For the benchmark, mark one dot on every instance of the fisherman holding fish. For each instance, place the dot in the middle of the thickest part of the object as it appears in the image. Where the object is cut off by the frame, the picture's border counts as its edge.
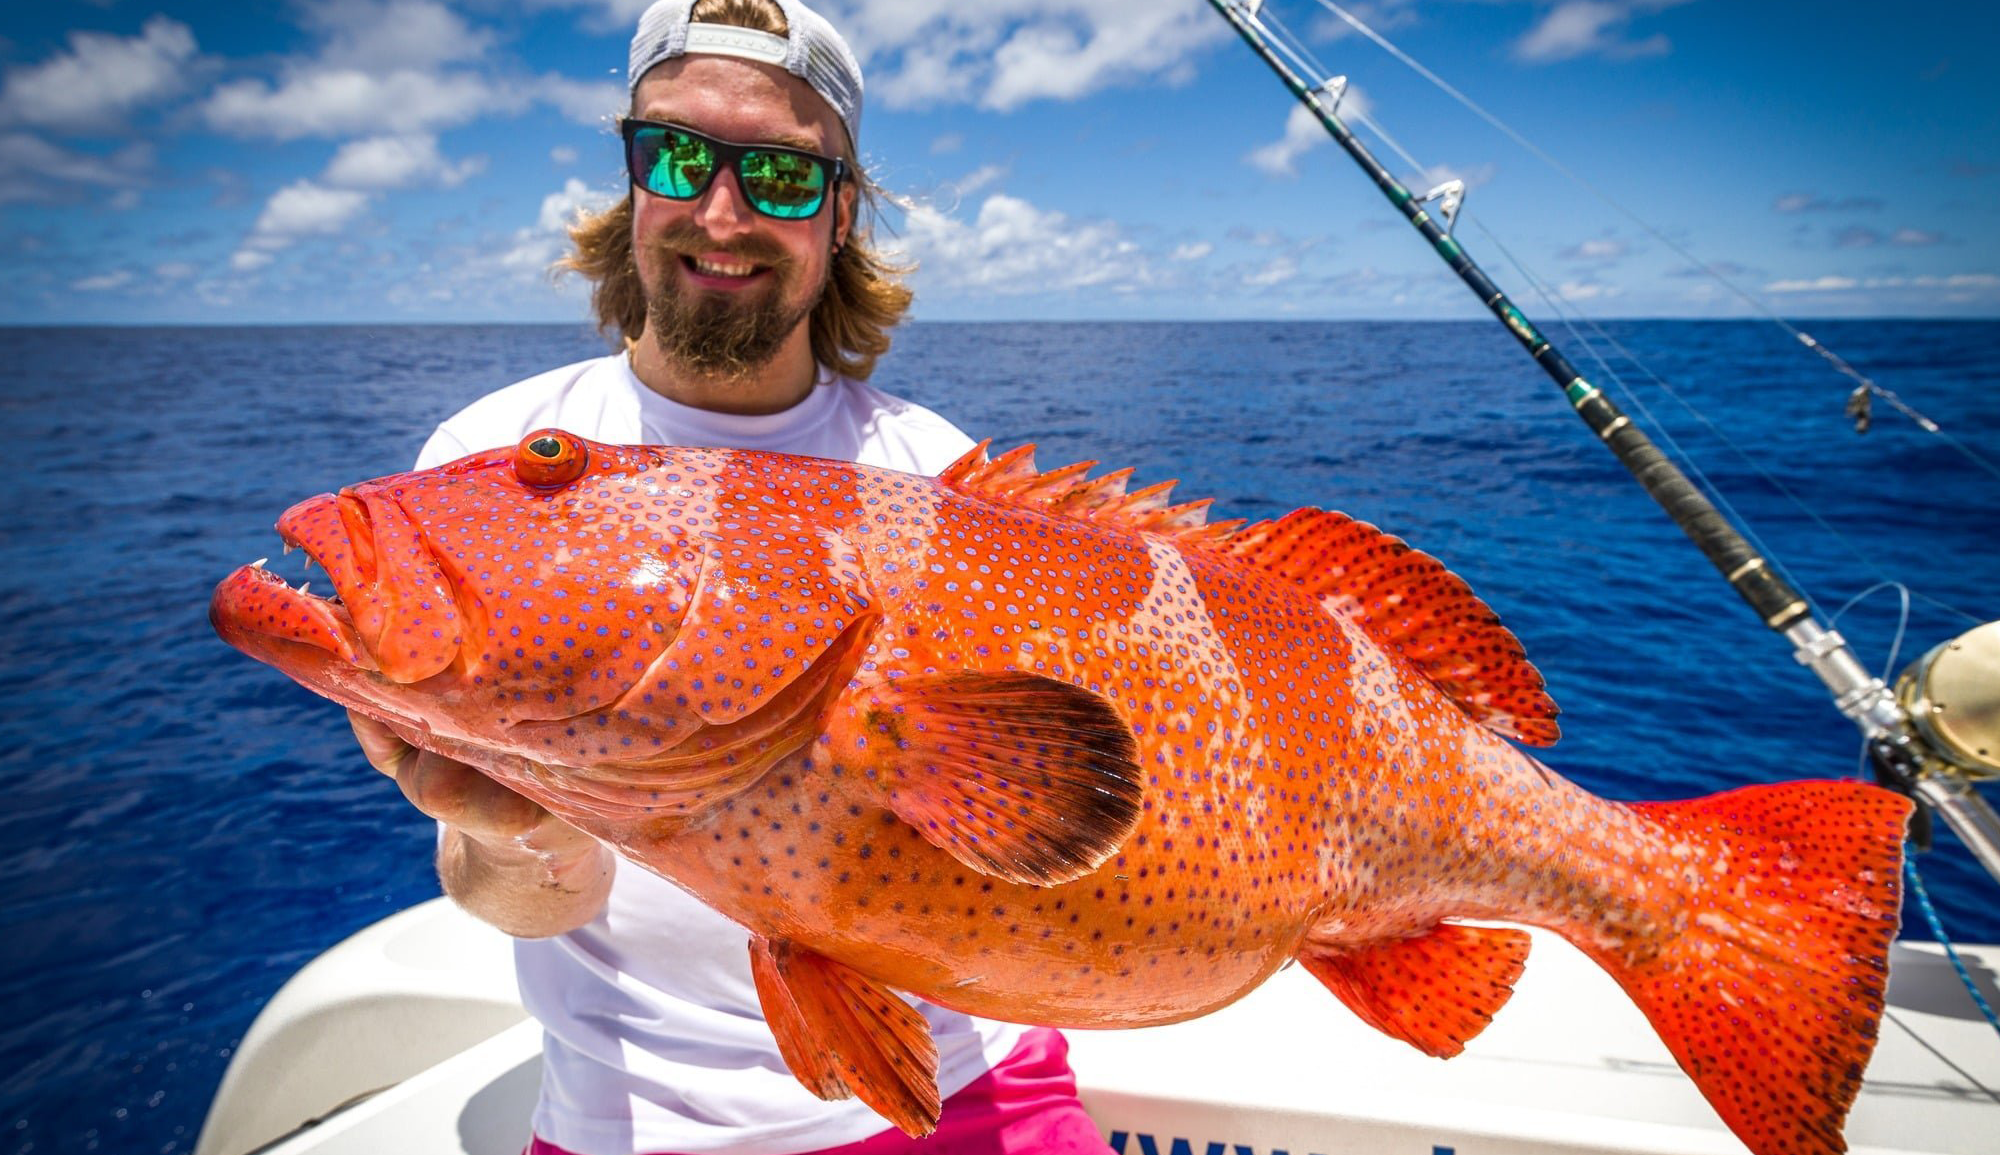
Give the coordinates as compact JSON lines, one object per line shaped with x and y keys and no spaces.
{"x":1018,"y":742}
{"x":742,"y":276}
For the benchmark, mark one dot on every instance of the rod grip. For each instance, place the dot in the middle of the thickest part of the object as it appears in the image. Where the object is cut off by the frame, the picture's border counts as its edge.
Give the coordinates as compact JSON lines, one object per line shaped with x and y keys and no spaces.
{"x":1757,"y":582}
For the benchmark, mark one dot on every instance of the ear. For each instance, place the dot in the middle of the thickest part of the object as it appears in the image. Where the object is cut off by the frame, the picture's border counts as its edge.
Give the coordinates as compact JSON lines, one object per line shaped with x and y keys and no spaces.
{"x":843,"y":213}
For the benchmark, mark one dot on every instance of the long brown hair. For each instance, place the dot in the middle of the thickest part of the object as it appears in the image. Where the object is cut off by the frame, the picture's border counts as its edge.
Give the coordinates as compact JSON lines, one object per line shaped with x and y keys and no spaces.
{"x":865,"y":296}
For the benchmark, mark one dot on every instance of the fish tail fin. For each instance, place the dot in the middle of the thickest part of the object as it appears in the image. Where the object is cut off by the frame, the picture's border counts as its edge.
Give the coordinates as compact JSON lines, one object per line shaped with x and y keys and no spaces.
{"x":1771,"y":993}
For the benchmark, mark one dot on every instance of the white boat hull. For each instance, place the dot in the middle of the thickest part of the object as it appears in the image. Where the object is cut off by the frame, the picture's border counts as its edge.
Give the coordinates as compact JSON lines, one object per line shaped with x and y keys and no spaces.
{"x":408,"y":1038}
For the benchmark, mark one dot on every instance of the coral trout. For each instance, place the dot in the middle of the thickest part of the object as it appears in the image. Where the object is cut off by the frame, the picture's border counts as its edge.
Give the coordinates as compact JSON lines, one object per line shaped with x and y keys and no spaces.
{"x":1033,"y":747}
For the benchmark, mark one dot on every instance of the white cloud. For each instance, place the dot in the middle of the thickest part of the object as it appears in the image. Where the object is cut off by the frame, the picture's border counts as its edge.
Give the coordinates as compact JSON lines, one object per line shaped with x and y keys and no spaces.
{"x":1909,"y":236}
{"x":1276,"y":271}
{"x":103,"y":282}
{"x":299,"y":210}
{"x":1192,"y":252}
{"x":1012,"y":247}
{"x":175,"y":271}
{"x":32,"y":169}
{"x":1004,"y":53}
{"x":1576,"y":28}
{"x":979,"y":178}
{"x":1303,"y":133}
{"x":1957,"y":282}
{"x":533,"y":248}
{"x":1602,"y":249}
{"x":1825,"y":284}
{"x":389,"y":162}
{"x":591,"y":102}
{"x":101,"y":79}
{"x":1587,"y":291}
{"x":949,"y":142}
{"x":1805,"y":202}
{"x":336,"y":102}
{"x":385,"y":35}
{"x":303,"y":208}
{"x":562,"y":154}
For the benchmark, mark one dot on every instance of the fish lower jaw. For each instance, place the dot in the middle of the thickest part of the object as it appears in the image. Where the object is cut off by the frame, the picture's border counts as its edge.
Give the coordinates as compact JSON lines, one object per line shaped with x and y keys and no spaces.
{"x":260,"y":613}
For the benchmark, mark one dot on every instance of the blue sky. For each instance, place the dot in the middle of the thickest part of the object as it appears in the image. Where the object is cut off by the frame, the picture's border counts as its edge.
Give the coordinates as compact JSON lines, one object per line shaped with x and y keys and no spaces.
{"x":366,"y":160}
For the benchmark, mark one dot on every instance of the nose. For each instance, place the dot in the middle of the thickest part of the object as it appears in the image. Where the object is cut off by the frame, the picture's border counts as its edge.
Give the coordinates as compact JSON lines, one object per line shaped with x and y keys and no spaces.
{"x":722,"y":209}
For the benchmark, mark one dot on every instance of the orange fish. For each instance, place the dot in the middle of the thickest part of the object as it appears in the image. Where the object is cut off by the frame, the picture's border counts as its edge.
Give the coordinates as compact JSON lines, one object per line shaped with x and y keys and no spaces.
{"x":1026,"y":745}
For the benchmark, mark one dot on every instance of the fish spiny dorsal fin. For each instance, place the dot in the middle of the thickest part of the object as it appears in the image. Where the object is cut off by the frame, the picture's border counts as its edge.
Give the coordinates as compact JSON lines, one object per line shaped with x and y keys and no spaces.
{"x":1410,"y":603}
{"x":1012,"y":479}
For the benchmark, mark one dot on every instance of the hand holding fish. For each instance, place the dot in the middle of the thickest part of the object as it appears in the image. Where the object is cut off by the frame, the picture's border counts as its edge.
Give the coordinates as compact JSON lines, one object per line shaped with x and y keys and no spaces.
{"x":502,"y":857}
{"x":1032,"y":747}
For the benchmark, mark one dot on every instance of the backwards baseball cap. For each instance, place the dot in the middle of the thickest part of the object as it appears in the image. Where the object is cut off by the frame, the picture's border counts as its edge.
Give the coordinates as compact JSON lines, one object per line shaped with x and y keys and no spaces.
{"x":811,"y":51}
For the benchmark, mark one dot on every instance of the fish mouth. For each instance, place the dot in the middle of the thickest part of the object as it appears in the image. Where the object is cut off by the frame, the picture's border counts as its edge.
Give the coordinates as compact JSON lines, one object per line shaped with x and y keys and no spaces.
{"x":392,"y":612}
{"x":254,"y":607}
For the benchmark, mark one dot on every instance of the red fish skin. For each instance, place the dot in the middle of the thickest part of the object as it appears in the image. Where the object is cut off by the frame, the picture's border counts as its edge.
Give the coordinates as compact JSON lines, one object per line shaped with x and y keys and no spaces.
{"x":697,"y":656}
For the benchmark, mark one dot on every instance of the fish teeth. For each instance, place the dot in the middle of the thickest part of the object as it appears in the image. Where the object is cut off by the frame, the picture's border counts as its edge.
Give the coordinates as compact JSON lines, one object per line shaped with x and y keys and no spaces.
{"x":259,"y":563}
{"x":305,"y":587}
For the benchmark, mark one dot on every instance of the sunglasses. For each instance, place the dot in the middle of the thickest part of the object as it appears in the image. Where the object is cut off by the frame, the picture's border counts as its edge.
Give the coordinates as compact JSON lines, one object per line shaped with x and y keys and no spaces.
{"x":679,"y":163}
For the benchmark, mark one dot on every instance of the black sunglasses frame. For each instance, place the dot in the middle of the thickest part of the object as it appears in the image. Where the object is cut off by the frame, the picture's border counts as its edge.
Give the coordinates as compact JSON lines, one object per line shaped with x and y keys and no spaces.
{"x":729,"y":154}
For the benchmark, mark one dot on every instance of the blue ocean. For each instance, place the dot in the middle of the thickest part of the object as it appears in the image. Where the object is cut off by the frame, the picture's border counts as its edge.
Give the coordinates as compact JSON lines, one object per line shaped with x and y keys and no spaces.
{"x":183,"y":828}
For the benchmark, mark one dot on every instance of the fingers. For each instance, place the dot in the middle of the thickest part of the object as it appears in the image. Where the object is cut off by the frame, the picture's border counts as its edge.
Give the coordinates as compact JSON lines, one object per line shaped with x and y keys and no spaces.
{"x":380,"y":745}
{"x":457,"y":795}
{"x":460,"y":796}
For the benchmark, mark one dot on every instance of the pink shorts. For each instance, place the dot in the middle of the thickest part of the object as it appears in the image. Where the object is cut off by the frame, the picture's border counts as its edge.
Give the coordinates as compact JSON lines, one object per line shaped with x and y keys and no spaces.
{"x":1026,"y":1103}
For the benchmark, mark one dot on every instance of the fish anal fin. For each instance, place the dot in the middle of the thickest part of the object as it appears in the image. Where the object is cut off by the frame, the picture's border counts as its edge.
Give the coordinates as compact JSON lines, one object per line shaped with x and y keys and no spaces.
{"x":1772,"y":995}
{"x":845,"y":1035}
{"x":1435,"y":991}
{"x":1407,"y":602}
{"x":1018,"y":776}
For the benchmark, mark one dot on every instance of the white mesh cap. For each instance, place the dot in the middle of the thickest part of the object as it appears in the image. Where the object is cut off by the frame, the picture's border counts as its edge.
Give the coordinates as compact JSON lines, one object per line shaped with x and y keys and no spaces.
{"x":813,"y":51}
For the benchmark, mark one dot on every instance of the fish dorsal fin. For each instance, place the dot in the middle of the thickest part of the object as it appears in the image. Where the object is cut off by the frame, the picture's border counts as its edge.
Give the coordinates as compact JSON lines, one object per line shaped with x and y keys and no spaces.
{"x":1409,"y":602}
{"x":1012,"y":479}
{"x":1405,"y":600}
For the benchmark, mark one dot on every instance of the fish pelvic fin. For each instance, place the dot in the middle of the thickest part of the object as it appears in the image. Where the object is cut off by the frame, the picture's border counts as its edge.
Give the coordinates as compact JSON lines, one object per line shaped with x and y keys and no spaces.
{"x":1771,"y":994}
{"x":845,"y":1035}
{"x":1435,"y":991}
{"x":1017,"y":776}
{"x":1410,"y":604}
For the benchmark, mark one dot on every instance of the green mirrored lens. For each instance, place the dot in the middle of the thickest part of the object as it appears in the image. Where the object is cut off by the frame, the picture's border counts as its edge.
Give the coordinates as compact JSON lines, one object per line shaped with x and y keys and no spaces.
{"x":682,"y":167}
{"x":783,"y":184}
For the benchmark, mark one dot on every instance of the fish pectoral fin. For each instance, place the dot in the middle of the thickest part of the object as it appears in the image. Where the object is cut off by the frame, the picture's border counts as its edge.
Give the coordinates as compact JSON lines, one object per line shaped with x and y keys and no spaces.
{"x":1016,"y":775}
{"x":844,"y":1034}
{"x":1434,"y":992}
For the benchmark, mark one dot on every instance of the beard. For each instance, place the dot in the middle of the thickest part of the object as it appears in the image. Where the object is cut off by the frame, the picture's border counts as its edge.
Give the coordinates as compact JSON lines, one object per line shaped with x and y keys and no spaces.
{"x":725,"y":336}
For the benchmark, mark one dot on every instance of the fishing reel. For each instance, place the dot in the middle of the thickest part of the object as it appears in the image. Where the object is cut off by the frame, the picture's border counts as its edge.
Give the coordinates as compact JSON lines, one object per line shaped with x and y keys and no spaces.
{"x":1950,"y":701}
{"x":1952,"y":698}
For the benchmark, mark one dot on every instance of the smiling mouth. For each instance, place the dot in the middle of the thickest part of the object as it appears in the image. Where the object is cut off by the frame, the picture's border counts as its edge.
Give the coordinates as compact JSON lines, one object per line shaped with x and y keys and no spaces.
{"x":725,"y":269}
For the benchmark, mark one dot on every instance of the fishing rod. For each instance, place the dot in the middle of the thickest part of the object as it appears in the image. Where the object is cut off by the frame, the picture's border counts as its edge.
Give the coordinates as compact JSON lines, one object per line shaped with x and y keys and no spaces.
{"x":1932,"y":735}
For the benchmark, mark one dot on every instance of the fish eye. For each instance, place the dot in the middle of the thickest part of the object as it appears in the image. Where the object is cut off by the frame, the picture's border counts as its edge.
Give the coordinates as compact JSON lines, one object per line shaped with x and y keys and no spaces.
{"x":547,"y":458}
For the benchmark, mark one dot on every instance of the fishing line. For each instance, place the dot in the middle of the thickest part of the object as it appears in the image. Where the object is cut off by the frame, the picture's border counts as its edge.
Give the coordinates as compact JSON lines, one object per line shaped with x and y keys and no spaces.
{"x":1303,"y":59}
{"x":1839,"y":364}
{"x":1687,"y":459}
{"x":1714,"y":493}
{"x":1749,"y":459}
{"x":1937,"y":928}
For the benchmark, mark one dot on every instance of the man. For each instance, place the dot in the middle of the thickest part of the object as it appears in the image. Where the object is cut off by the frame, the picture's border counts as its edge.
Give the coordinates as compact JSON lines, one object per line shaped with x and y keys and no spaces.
{"x":753,"y":307}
